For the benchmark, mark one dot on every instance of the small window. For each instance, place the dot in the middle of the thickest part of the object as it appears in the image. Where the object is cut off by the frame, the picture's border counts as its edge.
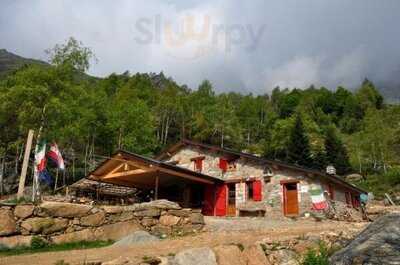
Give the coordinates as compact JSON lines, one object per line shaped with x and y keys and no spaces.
{"x":198,"y":163}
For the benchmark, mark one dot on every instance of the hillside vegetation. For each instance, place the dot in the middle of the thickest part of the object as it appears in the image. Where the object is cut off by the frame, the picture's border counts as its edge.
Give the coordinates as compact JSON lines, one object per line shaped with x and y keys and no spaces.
{"x":143,"y":113}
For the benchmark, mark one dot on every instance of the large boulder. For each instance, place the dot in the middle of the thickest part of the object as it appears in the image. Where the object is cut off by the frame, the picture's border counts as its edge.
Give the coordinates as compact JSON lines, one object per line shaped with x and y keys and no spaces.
{"x":95,"y":219}
{"x":197,"y":218}
{"x":135,"y":238}
{"x":379,"y":243}
{"x":229,"y":255}
{"x":159,"y":204}
{"x":117,"y":231}
{"x":45,"y":225}
{"x":169,"y":220}
{"x":195,"y":256}
{"x":23,"y":211}
{"x":7,"y":222}
{"x":78,"y":236}
{"x":14,"y":241}
{"x":254,"y":255}
{"x":283,"y":257}
{"x":64,"y":209}
{"x":148,"y":213}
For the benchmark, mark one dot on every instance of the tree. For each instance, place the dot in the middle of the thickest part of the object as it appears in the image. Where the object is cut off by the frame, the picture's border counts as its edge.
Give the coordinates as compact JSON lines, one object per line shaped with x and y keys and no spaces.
{"x":299,"y":145}
{"x":71,"y":55}
{"x":336,"y":153}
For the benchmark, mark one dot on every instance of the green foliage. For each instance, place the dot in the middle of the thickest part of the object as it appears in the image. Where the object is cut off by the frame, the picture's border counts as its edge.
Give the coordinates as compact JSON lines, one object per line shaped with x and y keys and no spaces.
{"x":144,"y":113}
{"x":42,"y":247}
{"x":299,"y":145}
{"x":382,"y":183}
{"x":316,"y":257}
{"x":38,"y":242}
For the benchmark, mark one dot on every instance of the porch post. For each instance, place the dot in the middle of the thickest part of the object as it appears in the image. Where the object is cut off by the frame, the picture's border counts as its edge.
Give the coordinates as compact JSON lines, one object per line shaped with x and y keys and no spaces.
{"x":156,"y":189}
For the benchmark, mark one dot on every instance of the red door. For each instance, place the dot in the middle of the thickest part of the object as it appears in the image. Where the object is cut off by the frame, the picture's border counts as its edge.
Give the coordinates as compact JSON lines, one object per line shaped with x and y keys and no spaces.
{"x":208,"y":205}
{"x":221,"y":200}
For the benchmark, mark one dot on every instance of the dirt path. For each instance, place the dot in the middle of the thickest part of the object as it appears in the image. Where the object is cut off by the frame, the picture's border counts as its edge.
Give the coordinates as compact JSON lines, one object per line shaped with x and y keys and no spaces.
{"x":169,"y":246}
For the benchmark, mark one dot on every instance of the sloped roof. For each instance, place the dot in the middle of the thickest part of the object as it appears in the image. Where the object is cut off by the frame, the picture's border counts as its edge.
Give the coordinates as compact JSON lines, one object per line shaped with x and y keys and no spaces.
{"x":334,"y":178}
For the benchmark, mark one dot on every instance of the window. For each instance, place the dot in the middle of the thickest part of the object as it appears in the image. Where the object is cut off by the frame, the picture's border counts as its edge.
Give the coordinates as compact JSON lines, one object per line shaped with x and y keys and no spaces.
{"x":198,"y":163}
{"x":254,"y":190}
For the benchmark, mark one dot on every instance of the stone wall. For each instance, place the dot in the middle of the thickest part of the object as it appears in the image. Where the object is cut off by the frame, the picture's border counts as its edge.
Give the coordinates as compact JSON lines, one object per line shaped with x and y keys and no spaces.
{"x":59,"y":222}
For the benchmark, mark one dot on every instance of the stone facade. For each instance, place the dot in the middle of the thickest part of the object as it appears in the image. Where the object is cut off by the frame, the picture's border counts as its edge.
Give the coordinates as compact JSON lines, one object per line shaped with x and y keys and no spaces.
{"x":270,"y":175}
{"x":60,"y":222}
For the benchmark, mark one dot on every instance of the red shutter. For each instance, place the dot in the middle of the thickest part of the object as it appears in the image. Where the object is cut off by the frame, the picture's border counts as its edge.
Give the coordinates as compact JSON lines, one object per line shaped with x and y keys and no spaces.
{"x":198,"y":163}
{"x":208,"y":204}
{"x":257,"y":190}
{"x":223,"y":164}
{"x":221,"y":200}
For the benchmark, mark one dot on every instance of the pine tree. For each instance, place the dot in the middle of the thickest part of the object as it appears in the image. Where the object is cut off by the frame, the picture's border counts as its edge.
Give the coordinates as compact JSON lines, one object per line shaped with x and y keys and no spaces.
{"x":299,"y":145}
{"x":336,"y":153}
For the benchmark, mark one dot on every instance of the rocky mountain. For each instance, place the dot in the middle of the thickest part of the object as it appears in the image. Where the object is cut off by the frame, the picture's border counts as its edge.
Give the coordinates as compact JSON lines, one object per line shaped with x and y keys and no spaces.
{"x":10,"y":62}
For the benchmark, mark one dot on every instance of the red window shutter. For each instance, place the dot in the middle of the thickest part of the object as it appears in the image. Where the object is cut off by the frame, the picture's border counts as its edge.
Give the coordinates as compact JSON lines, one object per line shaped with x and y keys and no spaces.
{"x":223,"y":164}
{"x":198,"y":163}
{"x":221,"y":200}
{"x":257,"y":190}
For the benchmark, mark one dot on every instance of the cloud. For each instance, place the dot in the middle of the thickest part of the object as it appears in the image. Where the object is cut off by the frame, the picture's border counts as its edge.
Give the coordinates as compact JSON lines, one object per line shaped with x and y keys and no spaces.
{"x":249,"y":46}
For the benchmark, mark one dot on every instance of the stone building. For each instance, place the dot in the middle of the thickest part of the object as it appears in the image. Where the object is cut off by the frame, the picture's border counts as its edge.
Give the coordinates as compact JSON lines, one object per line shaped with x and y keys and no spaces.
{"x":223,"y":182}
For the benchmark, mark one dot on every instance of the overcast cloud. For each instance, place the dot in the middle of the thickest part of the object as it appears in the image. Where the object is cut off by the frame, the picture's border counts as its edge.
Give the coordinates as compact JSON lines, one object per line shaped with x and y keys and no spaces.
{"x":247,"y":46}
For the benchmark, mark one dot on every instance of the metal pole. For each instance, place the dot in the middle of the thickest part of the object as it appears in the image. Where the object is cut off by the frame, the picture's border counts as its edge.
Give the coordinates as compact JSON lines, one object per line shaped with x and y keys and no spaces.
{"x":27,"y":154}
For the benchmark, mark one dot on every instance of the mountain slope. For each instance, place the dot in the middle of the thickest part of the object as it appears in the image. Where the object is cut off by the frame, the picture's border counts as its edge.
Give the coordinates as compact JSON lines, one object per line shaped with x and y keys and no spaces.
{"x":10,"y":62}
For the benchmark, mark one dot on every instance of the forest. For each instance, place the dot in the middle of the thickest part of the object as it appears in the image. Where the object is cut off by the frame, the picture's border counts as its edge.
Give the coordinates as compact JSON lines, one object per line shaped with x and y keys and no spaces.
{"x":89,"y":118}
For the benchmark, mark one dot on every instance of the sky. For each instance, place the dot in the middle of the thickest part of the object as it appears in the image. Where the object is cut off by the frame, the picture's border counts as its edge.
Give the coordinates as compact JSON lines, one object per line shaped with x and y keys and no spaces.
{"x":243,"y":46}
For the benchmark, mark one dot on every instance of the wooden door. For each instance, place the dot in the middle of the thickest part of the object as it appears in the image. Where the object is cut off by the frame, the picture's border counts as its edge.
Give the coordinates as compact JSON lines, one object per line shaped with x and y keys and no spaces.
{"x":290,"y":199}
{"x":231,"y":199}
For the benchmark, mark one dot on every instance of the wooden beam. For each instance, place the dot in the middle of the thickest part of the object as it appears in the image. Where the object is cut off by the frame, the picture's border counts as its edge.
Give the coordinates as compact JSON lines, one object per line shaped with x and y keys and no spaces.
{"x":22,"y":178}
{"x":126,"y":173}
{"x":183,"y":175}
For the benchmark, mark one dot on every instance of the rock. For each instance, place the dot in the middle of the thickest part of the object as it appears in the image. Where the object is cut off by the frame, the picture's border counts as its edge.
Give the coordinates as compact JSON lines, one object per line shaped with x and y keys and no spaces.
{"x":64,"y":209}
{"x":169,"y":220}
{"x":379,"y":243}
{"x":117,"y":231}
{"x":180,"y":213}
{"x":148,"y":221}
{"x":83,"y":235}
{"x":59,"y":224}
{"x":118,"y":261}
{"x":229,"y":255}
{"x":93,"y":219}
{"x":197,"y":218}
{"x":195,"y":256}
{"x":159,"y":204}
{"x":254,"y":255}
{"x":161,"y":230}
{"x":138,"y":237}
{"x":14,"y":241}
{"x":23,"y":211}
{"x":283,"y":257}
{"x":37,"y":225}
{"x":7,"y":222}
{"x":148,"y":213}
{"x":112,"y":209}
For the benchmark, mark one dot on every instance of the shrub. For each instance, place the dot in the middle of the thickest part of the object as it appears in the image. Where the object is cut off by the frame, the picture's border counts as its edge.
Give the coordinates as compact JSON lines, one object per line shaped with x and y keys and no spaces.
{"x":38,"y":243}
{"x":314,"y":257}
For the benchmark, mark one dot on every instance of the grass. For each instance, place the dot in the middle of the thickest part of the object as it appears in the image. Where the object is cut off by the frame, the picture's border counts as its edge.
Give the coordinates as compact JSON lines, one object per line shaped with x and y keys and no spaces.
{"x":36,"y":248}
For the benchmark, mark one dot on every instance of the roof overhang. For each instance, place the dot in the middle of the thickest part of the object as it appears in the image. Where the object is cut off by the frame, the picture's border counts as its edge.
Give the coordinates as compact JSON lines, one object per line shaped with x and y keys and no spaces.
{"x":129,"y":169}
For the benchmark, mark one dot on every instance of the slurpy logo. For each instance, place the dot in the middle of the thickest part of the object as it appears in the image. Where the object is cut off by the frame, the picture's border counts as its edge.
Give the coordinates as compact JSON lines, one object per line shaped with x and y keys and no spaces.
{"x":192,"y":37}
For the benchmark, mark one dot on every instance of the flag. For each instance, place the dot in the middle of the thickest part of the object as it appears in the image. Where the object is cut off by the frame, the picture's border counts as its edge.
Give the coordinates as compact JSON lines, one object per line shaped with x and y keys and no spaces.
{"x":55,"y":155}
{"x":45,"y":177}
{"x":40,"y":156}
{"x":318,"y":198}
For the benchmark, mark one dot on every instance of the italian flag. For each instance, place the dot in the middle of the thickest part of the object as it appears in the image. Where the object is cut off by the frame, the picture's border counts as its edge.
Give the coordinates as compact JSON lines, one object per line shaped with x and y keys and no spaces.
{"x":318,"y":199}
{"x":40,"y":156}
{"x":55,"y":155}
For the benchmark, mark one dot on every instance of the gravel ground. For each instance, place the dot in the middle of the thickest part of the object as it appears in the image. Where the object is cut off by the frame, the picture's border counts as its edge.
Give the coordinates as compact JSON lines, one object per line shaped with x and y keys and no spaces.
{"x":220,"y":231}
